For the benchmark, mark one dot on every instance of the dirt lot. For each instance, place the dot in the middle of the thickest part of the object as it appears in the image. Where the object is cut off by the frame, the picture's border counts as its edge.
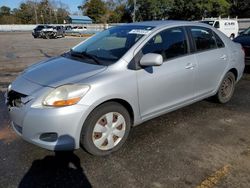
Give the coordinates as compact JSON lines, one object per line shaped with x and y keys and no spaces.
{"x":203,"y":145}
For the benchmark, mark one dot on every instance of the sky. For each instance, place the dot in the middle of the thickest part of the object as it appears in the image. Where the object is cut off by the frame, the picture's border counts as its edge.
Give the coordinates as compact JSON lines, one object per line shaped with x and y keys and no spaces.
{"x":15,"y":4}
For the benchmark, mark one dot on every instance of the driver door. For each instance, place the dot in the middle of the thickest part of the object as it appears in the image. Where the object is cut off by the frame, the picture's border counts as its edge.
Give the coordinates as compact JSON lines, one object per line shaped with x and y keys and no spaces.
{"x":162,"y":88}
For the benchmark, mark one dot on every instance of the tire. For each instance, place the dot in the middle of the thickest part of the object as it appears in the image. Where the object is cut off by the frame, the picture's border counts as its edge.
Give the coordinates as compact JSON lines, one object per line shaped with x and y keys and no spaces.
{"x":98,"y":134}
{"x":232,"y":36}
{"x":226,"y":89}
{"x":47,"y":36}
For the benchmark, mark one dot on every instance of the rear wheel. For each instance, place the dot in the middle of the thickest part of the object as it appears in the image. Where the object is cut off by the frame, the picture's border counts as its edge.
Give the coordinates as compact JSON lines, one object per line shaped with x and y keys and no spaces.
{"x":226,"y":89}
{"x":106,"y":129}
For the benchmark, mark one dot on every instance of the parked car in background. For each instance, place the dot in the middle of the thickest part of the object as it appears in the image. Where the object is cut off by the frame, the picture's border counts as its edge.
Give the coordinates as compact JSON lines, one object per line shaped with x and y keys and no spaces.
{"x":60,"y":31}
{"x":78,"y":29}
{"x":93,"y":94}
{"x":37,"y":31}
{"x":68,"y":27}
{"x":229,"y":27}
{"x":244,"y":40}
{"x":52,"y":32}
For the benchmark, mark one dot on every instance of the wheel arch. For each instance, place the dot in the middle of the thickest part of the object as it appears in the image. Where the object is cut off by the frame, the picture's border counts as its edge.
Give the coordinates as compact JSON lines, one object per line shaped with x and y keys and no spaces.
{"x":235,"y":72}
{"x":125,"y":104}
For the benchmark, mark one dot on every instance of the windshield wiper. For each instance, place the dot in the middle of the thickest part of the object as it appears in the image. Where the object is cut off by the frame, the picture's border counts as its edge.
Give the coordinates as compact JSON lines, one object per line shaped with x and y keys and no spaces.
{"x":84,"y":54}
{"x":91,"y":57}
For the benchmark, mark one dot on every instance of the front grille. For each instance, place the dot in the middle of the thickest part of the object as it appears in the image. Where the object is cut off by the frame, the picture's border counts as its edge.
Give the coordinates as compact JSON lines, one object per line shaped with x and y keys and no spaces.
{"x":14,"y":98}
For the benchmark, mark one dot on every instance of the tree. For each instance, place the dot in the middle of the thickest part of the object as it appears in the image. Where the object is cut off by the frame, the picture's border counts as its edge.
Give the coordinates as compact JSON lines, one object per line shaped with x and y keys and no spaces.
{"x":240,"y":8}
{"x":152,"y":9}
{"x":26,"y":13}
{"x":120,"y":14}
{"x":4,"y":11}
{"x":181,"y":9}
{"x":5,"y":15}
{"x":103,"y":11}
{"x":97,"y":10}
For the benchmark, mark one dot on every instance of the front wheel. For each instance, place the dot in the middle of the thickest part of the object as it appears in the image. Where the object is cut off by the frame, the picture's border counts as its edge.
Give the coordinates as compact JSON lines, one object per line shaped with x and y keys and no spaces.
{"x":106,"y":129}
{"x":226,"y":88}
{"x":46,"y":36}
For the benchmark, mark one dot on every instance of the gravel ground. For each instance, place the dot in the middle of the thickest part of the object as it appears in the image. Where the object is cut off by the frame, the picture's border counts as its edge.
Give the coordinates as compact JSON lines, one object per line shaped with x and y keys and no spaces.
{"x":202,"y":145}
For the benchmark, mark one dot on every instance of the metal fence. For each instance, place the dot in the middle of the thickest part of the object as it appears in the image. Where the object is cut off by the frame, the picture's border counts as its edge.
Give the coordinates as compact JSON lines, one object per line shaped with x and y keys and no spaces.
{"x":26,"y":27}
{"x":93,"y":28}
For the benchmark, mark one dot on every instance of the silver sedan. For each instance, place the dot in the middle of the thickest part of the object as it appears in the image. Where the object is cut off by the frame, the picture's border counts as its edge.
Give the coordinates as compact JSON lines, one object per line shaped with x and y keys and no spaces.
{"x":93,"y":94}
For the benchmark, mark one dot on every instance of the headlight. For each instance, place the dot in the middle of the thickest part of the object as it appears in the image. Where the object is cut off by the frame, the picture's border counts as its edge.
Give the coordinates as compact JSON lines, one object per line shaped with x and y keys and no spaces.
{"x":65,"y":95}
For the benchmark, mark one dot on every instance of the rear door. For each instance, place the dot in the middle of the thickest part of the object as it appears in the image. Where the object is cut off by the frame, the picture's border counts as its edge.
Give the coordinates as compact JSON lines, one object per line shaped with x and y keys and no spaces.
{"x":212,"y":57}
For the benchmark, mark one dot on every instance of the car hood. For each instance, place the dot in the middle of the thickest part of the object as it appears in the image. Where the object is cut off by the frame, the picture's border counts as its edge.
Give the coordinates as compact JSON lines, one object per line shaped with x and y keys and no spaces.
{"x":244,"y":40}
{"x":60,"y":70}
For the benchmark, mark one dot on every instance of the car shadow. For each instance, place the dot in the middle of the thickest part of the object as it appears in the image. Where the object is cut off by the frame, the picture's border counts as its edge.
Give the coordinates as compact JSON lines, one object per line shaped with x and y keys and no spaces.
{"x":60,"y":170}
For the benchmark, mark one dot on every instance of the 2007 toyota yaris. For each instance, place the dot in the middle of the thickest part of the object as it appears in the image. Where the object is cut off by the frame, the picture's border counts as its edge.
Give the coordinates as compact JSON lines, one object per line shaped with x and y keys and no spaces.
{"x":121,"y":77}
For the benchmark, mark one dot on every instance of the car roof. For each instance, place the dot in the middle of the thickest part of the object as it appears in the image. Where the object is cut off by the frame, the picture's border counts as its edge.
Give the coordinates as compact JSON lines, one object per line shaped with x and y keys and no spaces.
{"x":160,"y":23}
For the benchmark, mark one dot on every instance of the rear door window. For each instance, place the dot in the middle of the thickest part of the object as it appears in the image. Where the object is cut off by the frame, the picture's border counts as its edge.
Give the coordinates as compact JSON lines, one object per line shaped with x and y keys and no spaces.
{"x":203,"y":38}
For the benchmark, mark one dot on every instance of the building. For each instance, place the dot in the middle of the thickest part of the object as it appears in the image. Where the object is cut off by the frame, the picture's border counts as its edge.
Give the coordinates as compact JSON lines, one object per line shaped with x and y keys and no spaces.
{"x":72,"y":19}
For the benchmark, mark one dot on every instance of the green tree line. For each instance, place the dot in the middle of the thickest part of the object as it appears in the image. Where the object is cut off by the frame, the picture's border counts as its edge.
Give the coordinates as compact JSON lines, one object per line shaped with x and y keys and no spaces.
{"x":116,"y":11}
{"x":34,"y":12}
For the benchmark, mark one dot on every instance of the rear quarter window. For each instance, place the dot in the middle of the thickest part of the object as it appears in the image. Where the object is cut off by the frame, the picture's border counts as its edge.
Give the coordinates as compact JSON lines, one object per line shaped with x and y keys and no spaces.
{"x":219,"y":42}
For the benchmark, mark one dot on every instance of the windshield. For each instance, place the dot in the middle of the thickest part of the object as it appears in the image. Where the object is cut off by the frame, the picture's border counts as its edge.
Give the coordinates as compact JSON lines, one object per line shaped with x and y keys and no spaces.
{"x":40,"y":27}
{"x":110,"y":45}
{"x":208,"y":22}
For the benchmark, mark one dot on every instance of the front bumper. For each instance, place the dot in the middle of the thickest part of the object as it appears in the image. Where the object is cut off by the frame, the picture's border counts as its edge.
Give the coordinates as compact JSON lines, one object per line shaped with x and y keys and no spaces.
{"x":66,"y":123}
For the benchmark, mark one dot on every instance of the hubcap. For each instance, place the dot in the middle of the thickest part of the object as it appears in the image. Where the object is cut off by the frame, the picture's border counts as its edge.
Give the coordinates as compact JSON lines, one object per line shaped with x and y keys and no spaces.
{"x":227,"y":88}
{"x":109,"y":131}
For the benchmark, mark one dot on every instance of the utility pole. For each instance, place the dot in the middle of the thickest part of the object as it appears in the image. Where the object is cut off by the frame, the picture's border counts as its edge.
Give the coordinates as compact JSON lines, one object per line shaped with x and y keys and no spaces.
{"x":134,"y":11}
{"x":42,"y":18}
{"x":36,"y":14}
{"x":35,"y":11}
{"x":55,"y":12}
{"x":50,"y":12}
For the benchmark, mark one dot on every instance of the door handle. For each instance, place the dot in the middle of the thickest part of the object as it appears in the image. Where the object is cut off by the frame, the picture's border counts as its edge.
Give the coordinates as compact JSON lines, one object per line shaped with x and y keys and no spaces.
{"x":224,"y":57}
{"x":189,"y":66}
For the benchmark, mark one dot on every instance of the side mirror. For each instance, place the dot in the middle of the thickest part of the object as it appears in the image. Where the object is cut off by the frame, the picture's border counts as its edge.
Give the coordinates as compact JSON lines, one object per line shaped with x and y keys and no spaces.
{"x":151,"y":59}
